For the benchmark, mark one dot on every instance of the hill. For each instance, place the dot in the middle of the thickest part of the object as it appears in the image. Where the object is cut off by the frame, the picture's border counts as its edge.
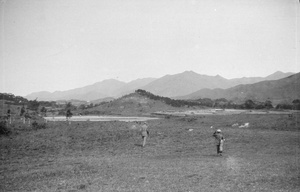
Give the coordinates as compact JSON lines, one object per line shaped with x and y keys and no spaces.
{"x":168,"y":86}
{"x":98,"y":101}
{"x":278,"y":75}
{"x":188,"y":82}
{"x":131,"y":104}
{"x":286,"y":89}
{"x":250,"y":80}
{"x":184,"y":83}
{"x":100,"y":90}
{"x":133,"y":85}
{"x":106,"y":88}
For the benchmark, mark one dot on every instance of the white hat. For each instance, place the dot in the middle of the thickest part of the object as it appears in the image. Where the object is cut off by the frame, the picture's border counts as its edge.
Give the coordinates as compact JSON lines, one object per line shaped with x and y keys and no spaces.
{"x":219,"y":130}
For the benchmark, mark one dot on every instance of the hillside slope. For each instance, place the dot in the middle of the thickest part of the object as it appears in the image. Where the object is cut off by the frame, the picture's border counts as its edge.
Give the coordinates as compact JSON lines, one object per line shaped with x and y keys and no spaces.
{"x":106,"y":88}
{"x":132,"y":104}
{"x":250,"y":80}
{"x":184,"y":83}
{"x":286,"y":89}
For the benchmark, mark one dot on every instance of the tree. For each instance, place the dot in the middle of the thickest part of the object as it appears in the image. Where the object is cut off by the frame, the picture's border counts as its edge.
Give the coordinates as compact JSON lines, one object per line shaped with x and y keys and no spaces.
{"x":69,"y":115}
{"x":44,"y":111}
{"x":8,"y":116}
{"x":296,"y":104}
{"x":249,"y":104}
{"x":8,"y":113}
{"x":27,"y":117}
{"x":296,"y":101}
{"x":206,"y":102}
{"x":68,"y":105}
{"x":91,"y":105}
{"x":82,"y":107}
{"x":222,"y":103}
{"x":268,"y":104}
{"x":22,"y":111}
{"x":33,"y":105}
{"x":284,"y":106}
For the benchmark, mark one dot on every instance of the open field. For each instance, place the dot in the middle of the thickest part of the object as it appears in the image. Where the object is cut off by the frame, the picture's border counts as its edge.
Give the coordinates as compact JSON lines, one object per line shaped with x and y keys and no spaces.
{"x":180,"y":155}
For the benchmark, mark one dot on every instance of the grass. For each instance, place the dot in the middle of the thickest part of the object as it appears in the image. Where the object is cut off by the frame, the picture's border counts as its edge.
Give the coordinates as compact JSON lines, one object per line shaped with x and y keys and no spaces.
{"x":107,"y":156}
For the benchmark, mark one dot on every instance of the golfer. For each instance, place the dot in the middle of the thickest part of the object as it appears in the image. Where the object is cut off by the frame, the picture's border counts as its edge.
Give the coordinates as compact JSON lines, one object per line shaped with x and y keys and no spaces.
{"x":219,"y":141}
{"x":144,"y":133}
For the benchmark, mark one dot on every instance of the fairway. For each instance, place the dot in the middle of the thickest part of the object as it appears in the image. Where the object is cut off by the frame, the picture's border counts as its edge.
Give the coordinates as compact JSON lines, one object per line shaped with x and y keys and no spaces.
{"x":180,"y":155}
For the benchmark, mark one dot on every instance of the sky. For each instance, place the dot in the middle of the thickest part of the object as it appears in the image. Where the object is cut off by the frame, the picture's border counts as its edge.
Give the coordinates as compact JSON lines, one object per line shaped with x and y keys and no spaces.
{"x":57,"y":45}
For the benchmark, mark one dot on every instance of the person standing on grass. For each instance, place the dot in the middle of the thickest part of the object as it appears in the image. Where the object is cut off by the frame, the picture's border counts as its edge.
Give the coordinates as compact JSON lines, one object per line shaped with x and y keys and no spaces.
{"x":144,"y":133}
{"x":219,"y":141}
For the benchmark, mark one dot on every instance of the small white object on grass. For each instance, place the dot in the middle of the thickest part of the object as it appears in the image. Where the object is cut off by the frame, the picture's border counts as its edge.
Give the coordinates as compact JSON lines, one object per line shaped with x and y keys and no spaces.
{"x":235,"y":125}
{"x":245,"y":125}
{"x":191,"y":129}
{"x":212,"y":127}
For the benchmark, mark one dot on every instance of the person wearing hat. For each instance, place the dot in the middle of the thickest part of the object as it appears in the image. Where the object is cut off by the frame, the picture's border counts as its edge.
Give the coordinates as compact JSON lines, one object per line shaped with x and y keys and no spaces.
{"x":144,"y":133}
{"x":219,"y":141}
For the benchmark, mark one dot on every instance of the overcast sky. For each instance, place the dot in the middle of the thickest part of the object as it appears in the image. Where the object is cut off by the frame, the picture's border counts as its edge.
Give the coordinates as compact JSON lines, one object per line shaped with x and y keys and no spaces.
{"x":49,"y":45}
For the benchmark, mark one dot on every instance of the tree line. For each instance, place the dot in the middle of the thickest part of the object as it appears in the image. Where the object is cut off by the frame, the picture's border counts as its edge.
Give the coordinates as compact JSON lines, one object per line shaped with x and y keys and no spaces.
{"x":221,"y":102}
{"x":52,"y":107}
{"x":35,"y":107}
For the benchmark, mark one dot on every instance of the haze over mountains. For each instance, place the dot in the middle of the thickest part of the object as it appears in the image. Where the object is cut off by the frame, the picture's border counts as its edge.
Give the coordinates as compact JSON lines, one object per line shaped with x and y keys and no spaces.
{"x":174,"y":86}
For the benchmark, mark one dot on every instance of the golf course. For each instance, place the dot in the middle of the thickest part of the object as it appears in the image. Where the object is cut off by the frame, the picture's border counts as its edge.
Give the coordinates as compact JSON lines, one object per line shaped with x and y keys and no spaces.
{"x":180,"y":155}
{"x":149,"y":96}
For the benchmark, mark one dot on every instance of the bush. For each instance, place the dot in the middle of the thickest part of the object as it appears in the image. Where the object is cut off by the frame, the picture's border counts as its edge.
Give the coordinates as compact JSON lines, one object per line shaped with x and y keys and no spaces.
{"x":3,"y":128}
{"x":36,"y":125}
{"x":284,"y":106}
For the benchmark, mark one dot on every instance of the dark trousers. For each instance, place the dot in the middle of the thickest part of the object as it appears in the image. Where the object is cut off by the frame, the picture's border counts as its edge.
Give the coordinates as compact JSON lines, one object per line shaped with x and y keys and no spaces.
{"x":219,"y":149}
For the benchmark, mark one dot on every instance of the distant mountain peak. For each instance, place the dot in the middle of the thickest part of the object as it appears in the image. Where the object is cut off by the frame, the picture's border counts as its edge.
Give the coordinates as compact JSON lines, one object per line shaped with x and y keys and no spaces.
{"x":278,"y":72}
{"x":188,"y":73}
{"x":278,"y":75}
{"x":111,"y":80}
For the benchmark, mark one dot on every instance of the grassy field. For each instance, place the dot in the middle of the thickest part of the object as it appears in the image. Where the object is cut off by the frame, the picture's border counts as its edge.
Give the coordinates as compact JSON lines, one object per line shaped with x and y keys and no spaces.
{"x":180,"y":155}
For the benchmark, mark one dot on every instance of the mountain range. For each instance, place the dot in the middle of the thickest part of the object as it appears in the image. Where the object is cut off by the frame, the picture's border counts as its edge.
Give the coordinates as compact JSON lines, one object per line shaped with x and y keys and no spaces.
{"x":183,"y":85}
{"x":285,"y":89}
{"x":104,"y":89}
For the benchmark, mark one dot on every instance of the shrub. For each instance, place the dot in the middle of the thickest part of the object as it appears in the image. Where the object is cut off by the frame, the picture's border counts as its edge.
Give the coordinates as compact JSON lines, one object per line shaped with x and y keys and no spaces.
{"x":3,"y":128}
{"x":284,"y":106}
{"x":36,"y":125}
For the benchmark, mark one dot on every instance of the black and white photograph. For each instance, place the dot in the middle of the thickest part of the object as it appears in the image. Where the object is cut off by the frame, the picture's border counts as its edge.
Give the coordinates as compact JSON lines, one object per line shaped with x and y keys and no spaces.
{"x":150,"y":95}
